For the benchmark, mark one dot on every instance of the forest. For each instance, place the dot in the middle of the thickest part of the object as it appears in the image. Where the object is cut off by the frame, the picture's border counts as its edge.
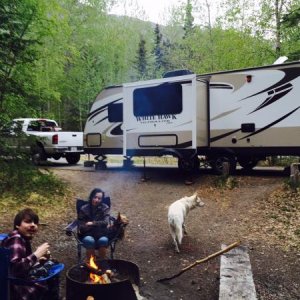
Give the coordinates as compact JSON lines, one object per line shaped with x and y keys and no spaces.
{"x":57,"y":55}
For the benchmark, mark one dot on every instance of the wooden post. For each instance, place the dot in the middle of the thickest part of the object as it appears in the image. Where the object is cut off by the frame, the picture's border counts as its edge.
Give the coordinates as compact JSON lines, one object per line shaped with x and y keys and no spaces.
{"x":225,"y":169}
{"x":295,"y":174}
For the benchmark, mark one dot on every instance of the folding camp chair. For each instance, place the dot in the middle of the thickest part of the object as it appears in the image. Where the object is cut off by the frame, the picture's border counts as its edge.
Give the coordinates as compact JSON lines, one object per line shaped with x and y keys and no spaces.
{"x":72,"y":230}
{"x":6,"y":279}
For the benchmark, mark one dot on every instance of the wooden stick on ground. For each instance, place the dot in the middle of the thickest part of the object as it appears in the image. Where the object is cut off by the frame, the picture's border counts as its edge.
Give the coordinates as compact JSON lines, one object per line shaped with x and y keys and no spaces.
{"x":197,"y":262}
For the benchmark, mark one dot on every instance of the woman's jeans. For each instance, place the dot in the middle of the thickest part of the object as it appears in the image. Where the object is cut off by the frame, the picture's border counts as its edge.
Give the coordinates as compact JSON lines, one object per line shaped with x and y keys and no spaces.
{"x":90,"y":243}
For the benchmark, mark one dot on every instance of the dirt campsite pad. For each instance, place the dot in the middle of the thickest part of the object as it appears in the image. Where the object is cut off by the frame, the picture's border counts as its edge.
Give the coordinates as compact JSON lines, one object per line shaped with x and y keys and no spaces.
{"x":256,"y":211}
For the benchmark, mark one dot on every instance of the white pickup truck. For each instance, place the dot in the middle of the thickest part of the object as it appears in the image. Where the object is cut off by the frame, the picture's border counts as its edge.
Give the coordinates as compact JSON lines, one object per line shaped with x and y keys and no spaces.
{"x":46,"y":140}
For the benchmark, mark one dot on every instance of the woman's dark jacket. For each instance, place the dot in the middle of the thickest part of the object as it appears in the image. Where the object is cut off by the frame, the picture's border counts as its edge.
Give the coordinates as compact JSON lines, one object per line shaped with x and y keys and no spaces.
{"x":100,"y":217}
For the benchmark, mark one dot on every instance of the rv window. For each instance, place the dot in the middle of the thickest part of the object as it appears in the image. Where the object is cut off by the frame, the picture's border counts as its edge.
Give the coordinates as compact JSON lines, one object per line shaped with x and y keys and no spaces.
{"x":159,"y":100}
{"x":115,"y":112}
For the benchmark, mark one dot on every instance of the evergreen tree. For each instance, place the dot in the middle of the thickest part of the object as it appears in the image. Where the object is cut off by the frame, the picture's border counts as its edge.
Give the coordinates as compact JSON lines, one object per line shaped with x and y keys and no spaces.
{"x":188,"y":19}
{"x":16,"y":18}
{"x":291,"y":38}
{"x":158,"y":52}
{"x":141,"y":63}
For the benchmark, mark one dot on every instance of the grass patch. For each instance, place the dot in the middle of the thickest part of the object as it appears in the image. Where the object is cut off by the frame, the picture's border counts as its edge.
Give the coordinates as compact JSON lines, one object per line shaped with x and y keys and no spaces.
{"x":24,"y":185}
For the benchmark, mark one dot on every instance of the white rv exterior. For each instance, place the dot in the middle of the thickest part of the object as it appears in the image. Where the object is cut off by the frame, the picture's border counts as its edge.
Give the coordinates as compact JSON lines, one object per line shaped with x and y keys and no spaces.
{"x":238,"y":116}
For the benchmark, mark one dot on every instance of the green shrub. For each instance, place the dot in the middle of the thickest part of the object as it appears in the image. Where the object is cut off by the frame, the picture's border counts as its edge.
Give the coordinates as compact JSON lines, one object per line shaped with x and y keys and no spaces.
{"x":19,"y":176}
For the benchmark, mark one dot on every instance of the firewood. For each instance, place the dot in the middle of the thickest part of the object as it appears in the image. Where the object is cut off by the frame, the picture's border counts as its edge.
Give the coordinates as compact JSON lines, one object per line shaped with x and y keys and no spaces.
{"x":92,"y":270}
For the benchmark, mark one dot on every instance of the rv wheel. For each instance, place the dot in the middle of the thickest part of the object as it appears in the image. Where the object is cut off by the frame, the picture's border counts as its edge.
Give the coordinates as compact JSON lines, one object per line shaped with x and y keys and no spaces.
{"x":247,"y":163}
{"x":189,"y":165}
{"x":217,"y":164}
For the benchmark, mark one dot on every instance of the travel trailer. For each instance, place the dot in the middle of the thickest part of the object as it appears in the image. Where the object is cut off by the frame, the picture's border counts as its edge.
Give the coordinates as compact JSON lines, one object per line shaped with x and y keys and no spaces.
{"x":235,"y":116}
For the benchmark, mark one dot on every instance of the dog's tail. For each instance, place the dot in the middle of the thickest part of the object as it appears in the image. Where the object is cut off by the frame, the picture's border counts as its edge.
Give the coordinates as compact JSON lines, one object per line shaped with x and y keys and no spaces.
{"x":176,"y":230}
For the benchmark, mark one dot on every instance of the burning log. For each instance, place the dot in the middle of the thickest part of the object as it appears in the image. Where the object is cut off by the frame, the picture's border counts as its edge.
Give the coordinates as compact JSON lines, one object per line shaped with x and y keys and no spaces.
{"x":92,"y":270}
{"x":97,"y":275}
{"x":197,"y":262}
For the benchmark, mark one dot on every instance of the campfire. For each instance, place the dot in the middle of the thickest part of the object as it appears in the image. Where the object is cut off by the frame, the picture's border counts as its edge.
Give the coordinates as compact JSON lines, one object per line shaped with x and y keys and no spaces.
{"x":108,"y":279}
{"x":96,"y":274}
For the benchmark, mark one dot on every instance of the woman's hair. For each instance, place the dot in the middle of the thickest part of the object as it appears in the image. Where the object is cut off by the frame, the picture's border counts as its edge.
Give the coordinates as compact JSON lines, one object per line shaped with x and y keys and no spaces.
{"x":93,"y":193}
{"x":25,"y":214}
{"x":91,"y":197}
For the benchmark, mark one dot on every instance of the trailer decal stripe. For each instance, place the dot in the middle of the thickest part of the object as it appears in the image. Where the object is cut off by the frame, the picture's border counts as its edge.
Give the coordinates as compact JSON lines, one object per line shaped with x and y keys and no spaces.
{"x":271,"y":99}
{"x":184,"y":145}
{"x":95,"y":113}
{"x":256,"y":132}
{"x":100,"y":109}
{"x":290,"y":74}
{"x":223,"y":135}
{"x":271,"y":124}
{"x":101,"y":120}
{"x":224,"y":114}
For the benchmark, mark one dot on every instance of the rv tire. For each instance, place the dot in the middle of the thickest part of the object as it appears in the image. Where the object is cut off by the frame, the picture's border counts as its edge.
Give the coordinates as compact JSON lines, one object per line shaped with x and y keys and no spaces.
{"x":247,"y":163}
{"x":189,"y":164}
{"x":217,"y":164}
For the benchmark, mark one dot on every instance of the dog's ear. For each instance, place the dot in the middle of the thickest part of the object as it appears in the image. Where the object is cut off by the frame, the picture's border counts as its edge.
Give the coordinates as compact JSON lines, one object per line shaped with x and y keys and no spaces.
{"x":119,"y":216}
{"x":195,"y":194}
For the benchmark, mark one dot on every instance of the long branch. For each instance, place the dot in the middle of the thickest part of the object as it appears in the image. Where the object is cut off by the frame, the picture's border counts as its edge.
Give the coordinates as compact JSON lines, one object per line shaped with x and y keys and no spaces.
{"x":197,"y":262}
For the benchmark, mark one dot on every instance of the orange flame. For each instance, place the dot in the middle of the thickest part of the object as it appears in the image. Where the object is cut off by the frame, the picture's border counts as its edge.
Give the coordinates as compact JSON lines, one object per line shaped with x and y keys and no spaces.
{"x":101,"y":279}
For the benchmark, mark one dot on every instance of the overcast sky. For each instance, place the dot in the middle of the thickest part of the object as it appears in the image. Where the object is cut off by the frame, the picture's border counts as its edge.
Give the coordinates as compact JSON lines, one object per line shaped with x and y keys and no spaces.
{"x":154,"y":10}
{"x":159,"y":11}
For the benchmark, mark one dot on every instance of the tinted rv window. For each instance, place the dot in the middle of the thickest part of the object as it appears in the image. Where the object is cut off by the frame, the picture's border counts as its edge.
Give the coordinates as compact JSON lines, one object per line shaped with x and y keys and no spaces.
{"x":158,"y":100}
{"x":115,"y":112}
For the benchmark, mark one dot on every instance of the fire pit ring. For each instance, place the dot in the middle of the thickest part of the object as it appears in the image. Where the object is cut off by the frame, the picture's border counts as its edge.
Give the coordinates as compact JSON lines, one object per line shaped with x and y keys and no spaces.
{"x":78,"y":287}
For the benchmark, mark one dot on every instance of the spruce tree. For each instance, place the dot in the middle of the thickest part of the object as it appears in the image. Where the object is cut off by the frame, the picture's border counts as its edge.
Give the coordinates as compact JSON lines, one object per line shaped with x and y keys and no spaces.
{"x":188,"y":19}
{"x":141,"y":64}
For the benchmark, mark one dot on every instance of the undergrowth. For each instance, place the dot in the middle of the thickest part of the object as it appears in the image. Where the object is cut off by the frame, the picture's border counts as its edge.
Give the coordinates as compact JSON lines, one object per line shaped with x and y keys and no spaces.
{"x":282,"y":211}
{"x":24,"y":185}
{"x":225,"y":182}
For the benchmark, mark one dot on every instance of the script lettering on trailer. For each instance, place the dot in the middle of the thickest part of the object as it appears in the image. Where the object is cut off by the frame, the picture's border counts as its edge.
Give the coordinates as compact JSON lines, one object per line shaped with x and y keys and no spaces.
{"x":156,"y":119}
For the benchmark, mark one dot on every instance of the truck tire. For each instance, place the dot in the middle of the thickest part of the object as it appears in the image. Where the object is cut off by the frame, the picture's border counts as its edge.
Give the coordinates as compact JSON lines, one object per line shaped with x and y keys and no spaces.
{"x":38,"y":155}
{"x":57,"y":156}
{"x":217,"y":164}
{"x":73,"y":158}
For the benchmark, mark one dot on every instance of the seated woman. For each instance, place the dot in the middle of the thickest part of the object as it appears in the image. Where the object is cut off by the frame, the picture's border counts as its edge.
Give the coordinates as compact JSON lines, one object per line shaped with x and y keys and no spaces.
{"x":93,"y":223}
{"x":23,"y":259}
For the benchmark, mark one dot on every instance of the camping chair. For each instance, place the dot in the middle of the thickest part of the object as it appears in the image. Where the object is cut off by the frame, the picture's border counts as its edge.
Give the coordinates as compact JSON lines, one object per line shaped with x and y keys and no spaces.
{"x":6,"y":279}
{"x":72,"y":229}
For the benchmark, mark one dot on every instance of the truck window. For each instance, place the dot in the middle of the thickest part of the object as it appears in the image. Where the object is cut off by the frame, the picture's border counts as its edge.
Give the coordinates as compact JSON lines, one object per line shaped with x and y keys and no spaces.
{"x":34,"y":126}
{"x":159,"y":100}
{"x":41,"y":125}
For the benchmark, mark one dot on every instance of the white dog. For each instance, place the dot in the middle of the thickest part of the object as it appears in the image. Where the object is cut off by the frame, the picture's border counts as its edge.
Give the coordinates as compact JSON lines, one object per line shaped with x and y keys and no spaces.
{"x":177,"y":214}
